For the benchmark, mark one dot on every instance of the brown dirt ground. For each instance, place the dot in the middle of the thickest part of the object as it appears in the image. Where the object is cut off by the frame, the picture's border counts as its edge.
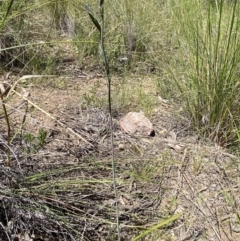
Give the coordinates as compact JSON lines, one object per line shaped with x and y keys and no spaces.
{"x":174,"y":172}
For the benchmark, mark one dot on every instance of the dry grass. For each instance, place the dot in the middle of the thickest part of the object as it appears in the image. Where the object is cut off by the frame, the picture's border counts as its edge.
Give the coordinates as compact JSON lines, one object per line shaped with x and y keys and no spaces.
{"x":65,"y":190}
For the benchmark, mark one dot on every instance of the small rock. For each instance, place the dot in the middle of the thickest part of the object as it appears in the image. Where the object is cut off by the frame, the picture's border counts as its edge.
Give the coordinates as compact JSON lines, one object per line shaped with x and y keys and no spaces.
{"x":137,"y":122}
{"x":121,"y":147}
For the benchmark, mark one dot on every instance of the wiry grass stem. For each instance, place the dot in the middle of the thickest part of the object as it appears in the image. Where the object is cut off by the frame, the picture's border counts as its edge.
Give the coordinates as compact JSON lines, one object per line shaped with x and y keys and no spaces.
{"x":8,"y":128}
{"x":103,"y":56}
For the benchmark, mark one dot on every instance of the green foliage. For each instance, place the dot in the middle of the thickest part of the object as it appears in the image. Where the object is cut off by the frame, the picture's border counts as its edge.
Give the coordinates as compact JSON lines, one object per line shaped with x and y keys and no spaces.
{"x":157,"y":226}
{"x":91,"y":98}
{"x":63,"y":12}
{"x":207,"y":71}
{"x":132,"y":32}
{"x":7,"y":8}
{"x":34,"y":143}
{"x":145,"y":101}
{"x":40,"y":61}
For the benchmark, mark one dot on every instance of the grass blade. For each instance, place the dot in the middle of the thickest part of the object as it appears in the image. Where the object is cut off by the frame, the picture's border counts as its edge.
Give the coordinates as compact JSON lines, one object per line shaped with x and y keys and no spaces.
{"x":159,"y":225}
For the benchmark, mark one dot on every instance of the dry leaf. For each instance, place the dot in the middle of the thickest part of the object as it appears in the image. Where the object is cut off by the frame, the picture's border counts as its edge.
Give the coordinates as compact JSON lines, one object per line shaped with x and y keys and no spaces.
{"x":173,"y":136}
{"x":162,"y":100}
{"x":26,"y":93}
{"x":177,"y":148}
{"x":125,"y":201}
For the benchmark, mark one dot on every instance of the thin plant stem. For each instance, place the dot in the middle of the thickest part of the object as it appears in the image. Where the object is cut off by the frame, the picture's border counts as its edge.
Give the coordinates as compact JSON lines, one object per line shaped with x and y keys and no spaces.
{"x":1,"y":94}
{"x":103,"y":56}
{"x":107,"y":70}
{"x":6,"y":15}
{"x":8,"y":127}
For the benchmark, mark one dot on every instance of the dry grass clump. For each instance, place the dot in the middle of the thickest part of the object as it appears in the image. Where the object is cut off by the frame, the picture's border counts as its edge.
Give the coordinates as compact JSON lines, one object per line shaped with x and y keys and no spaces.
{"x":65,"y":189}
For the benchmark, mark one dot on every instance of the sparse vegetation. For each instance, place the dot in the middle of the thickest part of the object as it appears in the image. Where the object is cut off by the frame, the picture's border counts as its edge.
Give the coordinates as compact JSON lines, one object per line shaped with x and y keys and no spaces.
{"x":175,"y":60}
{"x":34,"y":143}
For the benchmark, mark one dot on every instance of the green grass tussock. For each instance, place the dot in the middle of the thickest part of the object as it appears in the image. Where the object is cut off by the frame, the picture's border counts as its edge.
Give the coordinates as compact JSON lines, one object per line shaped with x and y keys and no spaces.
{"x":207,"y":71}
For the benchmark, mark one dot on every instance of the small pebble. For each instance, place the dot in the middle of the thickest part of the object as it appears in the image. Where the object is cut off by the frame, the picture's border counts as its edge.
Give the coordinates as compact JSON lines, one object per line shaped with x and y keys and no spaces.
{"x":121,"y":146}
